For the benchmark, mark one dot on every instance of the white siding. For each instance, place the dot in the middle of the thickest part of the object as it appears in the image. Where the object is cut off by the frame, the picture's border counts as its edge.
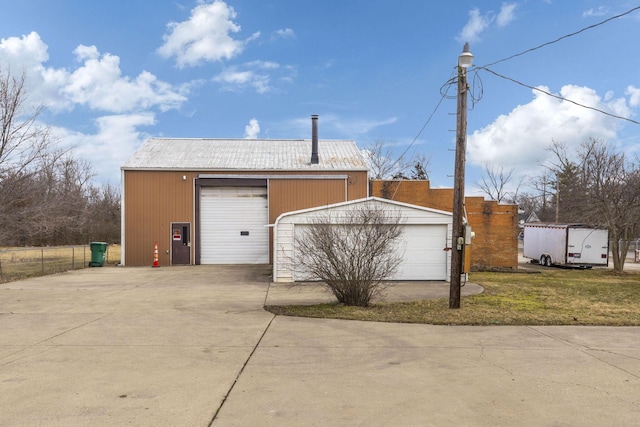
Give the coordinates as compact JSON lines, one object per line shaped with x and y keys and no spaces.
{"x":426,"y":234}
{"x":233,"y":225}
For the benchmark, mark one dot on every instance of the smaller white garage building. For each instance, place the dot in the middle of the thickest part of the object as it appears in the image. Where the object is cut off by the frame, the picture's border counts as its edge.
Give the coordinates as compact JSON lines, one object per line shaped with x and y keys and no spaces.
{"x":425,"y":238}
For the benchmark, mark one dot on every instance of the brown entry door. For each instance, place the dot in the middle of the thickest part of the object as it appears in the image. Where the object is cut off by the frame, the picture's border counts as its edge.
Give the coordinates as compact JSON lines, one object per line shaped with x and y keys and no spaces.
{"x":180,"y":243}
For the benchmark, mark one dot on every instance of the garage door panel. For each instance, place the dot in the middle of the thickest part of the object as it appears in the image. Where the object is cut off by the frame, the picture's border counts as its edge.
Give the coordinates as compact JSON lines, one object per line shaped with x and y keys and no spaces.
{"x":233,"y":225}
{"x":422,"y":248}
{"x":424,"y":256}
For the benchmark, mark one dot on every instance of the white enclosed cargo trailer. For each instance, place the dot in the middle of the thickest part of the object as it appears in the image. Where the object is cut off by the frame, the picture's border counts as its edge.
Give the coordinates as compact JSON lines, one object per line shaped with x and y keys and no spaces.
{"x":575,"y":245}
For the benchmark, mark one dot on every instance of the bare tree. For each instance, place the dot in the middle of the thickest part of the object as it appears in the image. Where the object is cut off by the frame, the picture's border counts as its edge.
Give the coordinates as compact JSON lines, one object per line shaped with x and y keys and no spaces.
{"x":613,"y":193}
{"x":600,"y":188}
{"x":495,"y":183}
{"x":22,"y":141}
{"x":569,"y":184}
{"x":544,"y":187}
{"x":383,"y":163}
{"x":45,"y":193}
{"x":352,"y":253}
{"x":528,"y":203}
{"x":47,"y":205}
{"x":23,"y":145}
{"x":102,"y":215}
{"x":420,"y":169}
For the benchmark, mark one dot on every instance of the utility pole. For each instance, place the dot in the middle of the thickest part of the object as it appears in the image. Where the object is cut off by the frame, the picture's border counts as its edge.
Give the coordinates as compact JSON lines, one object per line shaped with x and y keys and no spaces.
{"x":557,"y":198}
{"x":457,"y":230}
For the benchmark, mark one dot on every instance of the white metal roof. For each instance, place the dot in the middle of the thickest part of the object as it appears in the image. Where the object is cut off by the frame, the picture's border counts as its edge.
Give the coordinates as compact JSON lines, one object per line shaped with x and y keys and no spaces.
{"x":245,"y":154}
{"x":366,"y":200}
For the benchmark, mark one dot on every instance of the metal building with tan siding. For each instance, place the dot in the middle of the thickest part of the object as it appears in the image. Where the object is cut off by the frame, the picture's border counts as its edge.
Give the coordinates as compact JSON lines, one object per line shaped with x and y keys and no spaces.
{"x":211,"y":201}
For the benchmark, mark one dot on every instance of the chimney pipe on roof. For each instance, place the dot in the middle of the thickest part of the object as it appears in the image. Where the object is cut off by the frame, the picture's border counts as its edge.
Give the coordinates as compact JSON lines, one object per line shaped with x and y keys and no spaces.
{"x":314,"y":139}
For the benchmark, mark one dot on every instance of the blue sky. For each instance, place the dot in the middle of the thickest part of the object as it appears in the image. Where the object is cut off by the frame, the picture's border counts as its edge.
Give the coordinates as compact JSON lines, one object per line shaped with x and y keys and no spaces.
{"x":114,"y":73}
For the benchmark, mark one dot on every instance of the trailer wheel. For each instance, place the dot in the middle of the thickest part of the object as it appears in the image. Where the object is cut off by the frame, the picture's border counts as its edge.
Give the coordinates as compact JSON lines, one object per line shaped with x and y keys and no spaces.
{"x":548,"y":262}
{"x":543,"y":260}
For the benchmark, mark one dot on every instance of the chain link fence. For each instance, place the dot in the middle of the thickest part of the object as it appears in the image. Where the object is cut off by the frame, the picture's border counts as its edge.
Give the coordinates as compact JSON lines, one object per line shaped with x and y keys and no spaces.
{"x":20,"y":263}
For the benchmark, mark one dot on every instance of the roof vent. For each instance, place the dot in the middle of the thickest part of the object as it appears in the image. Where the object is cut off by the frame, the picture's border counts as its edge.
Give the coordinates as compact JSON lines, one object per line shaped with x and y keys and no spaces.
{"x":314,"y":139}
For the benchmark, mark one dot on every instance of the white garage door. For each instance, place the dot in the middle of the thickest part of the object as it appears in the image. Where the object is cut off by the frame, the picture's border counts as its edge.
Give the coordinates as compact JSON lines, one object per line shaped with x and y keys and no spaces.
{"x":233,"y":225}
{"x":424,"y":256}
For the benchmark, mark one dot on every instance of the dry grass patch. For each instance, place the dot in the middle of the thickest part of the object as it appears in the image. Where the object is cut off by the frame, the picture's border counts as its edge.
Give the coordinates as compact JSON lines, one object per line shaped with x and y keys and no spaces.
{"x":553,"y":297}
{"x":21,"y":263}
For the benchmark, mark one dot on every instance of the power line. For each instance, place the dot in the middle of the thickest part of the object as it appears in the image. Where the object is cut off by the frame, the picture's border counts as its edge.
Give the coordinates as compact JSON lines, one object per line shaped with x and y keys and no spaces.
{"x":444,"y":94}
{"x":485,"y":67}
{"x":446,"y":86}
{"x":564,"y":37}
{"x":557,"y":96}
{"x":442,"y":97}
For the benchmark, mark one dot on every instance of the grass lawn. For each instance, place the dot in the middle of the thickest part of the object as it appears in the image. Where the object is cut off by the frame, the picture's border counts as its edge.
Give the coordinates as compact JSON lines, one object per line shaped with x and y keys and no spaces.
{"x":551,"y":297}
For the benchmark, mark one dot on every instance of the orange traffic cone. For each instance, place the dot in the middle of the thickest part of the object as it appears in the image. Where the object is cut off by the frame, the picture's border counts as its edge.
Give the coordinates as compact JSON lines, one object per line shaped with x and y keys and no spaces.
{"x":155,"y":255}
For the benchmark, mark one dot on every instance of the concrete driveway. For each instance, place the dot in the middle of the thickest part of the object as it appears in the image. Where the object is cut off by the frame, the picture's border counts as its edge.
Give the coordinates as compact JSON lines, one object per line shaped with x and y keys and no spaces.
{"x":191,"y":346}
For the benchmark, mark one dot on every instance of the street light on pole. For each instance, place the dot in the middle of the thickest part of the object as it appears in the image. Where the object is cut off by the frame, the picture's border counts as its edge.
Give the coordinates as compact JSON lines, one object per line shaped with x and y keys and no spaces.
{"x":457,"y":230}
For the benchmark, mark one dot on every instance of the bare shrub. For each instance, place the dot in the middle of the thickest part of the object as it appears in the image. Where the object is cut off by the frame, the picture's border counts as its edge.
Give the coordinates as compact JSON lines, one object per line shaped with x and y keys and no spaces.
{"x":352,"y":252}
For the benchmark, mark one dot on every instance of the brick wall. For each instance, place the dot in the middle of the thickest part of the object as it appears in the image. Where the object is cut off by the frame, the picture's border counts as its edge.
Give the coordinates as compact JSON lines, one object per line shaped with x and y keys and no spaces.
{"x":495,"y":225}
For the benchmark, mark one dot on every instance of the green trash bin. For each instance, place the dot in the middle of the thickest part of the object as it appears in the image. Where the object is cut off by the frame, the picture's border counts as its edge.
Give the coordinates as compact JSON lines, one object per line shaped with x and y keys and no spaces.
{"x":98,"y":253}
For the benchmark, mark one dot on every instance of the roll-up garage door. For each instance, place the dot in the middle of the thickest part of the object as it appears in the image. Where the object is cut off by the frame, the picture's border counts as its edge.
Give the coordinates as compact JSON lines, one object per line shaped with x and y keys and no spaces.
{"x":422,"y":247}
{"x":233,"y":225}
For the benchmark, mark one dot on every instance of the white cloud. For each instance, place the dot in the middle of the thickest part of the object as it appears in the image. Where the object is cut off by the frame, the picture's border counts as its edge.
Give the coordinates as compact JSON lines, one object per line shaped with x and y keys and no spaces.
{"x":506,"y":14}
{"x":599,"y":11}
{"x":634,"y":96}
{"x":117,"y":137}
{"x":256,"y":75}
{"x":520,"y":139}
{"x":252,"y":130}
{"x":332,"y":125}
{"x":479,"y":23}
{"x":286,"y":33}
{"x":265,"y":65}
{"x":205,"y":37}
{"x":97,"y":83}
{"x":25,"y":52}
{"x":476,"y":25}
{"x":100,"y":85}
{"x":233,"y":79}
{"x":28,"y":53}
{"x":358,"y":126}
